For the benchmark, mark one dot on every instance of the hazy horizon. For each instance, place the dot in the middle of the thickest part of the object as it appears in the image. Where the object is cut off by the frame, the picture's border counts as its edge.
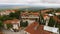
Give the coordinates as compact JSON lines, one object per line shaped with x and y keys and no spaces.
{"x":27,"y":6}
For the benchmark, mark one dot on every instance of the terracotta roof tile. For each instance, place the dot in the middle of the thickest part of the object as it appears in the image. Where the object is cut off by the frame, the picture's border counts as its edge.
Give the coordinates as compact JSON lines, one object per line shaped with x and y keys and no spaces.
{"x":11,"y":21}
{"x":40,"y":30}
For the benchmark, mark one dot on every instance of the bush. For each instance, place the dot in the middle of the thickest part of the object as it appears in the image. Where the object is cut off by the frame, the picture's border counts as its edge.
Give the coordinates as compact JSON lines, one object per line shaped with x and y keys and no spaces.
{"x":9,"y":26}
{"x":1,"y":23}
{"x":24,"y":24}
{"x":51,"y":22}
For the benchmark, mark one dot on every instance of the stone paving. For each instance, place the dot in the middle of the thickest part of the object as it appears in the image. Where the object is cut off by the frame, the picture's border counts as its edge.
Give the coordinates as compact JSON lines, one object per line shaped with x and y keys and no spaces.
{"x":11,"y":32}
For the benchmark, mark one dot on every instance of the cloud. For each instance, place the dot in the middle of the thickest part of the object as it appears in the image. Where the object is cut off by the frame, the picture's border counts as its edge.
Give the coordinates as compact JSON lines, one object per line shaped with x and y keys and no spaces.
{"x":47,"y":3}
{"x":29,"y":1}
{"x":51,"y":1}
{"x":18,"y":1}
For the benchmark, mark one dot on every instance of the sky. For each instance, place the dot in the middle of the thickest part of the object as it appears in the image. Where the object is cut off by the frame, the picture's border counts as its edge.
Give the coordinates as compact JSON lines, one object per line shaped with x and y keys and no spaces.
{"x":30,"y":1}
{"x":46,"y":3}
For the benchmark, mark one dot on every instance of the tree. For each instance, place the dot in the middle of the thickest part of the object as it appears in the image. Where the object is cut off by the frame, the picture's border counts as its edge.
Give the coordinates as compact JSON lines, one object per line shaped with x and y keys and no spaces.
{"x":15,"y":15}
{"x":1,"y":23}
{"x":51,"y":22}
{"x":58,"y":10}
{"x":4,"y":17}
{"x":24,"y":24}
{"x":18,"y":12}
{"x":12,"y":15}
{"x":41,"y":19}
{"x":9,"y":26}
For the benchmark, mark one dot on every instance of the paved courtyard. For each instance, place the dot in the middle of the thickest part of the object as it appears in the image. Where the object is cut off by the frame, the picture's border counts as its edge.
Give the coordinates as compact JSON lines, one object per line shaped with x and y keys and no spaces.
{"x":11,"y":32}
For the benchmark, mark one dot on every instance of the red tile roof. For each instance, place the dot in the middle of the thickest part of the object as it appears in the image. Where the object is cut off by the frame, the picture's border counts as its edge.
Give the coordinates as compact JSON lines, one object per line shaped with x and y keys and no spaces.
{"x":32,"y":13}
{"x":11,"y":21}
{"x":40,"y":30}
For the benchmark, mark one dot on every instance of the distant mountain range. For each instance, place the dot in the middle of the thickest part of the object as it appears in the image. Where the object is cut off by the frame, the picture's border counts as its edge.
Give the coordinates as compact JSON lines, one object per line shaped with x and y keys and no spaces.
{"x":29,"y":7}
{"x":21,"y":7}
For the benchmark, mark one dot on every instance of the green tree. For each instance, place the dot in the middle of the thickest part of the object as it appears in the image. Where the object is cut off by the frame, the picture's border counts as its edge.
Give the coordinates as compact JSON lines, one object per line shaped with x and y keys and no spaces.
{"x":51,"y":22}
{"x":18,"y":12}
{"x":5,"y":17}
{"x":12,"y":15}
{"x":58,"y":10}
{"x":9,"y":26}
{"x":15,"y":15}
{"x":2,"y":18}
{"x":24,"y":24}
{"x":1,"y":24}
{"x":41,"y":19}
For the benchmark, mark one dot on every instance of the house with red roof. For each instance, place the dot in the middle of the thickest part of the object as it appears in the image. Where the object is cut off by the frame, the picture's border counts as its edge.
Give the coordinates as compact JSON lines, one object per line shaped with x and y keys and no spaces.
{"x":15,"y":23}
{"x":40,"y":30}
{"x":7,"y":12}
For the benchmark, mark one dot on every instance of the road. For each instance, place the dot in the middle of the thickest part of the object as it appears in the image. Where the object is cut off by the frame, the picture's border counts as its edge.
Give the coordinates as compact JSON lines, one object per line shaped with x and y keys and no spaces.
{"x":11,"y":32}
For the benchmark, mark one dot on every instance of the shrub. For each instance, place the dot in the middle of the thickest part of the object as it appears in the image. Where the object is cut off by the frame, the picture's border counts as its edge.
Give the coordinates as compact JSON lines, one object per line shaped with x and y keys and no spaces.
{"x":9,"y":26}
{"x":24,"y":24}
{"x":1,"y":23}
